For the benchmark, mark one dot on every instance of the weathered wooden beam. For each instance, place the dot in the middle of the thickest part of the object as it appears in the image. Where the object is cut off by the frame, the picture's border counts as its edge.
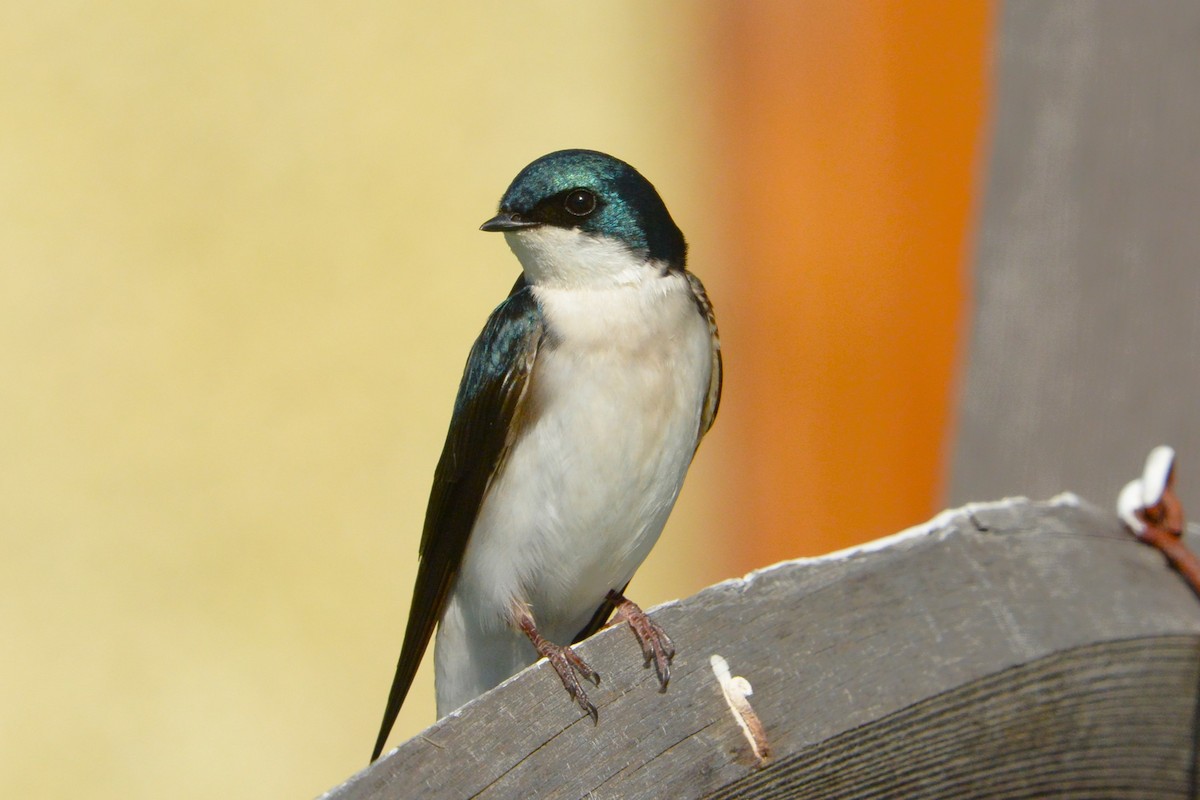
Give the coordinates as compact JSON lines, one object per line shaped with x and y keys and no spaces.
{"x":1011,"y":649}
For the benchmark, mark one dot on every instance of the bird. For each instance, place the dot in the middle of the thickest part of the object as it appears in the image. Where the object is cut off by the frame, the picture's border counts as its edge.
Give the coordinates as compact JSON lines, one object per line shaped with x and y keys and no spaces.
{"x":581,"y":406}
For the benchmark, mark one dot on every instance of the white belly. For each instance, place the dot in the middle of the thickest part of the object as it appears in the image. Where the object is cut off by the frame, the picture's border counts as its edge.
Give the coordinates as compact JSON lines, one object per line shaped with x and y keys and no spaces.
{"x":618,"y":391}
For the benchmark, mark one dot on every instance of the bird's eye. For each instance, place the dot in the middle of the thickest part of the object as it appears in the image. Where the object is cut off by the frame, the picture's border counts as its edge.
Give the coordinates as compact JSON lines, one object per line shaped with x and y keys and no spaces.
{"x":580,"y":202}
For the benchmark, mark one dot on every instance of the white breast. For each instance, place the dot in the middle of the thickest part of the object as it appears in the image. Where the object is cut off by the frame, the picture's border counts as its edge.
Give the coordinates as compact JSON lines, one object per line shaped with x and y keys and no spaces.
{"x":619,"y":390}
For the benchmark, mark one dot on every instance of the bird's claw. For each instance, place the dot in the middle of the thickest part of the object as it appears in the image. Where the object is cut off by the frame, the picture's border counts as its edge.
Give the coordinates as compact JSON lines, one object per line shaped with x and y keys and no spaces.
{"x":569,"y":666}
{"x":656,"y":646}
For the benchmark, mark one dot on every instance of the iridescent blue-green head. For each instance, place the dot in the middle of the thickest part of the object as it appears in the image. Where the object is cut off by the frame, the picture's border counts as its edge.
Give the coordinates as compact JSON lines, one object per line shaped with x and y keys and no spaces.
{"x":580,"y":211}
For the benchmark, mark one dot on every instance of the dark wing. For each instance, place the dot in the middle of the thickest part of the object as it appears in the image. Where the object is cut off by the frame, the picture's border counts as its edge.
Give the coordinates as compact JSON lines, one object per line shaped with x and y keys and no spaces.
{"x":599,"y":619}
{"x":486,"y":416}
{"x":712,"y":401}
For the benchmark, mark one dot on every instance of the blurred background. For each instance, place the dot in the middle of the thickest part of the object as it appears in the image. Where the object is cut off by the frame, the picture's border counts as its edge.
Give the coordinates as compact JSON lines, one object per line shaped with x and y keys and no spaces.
{"x":240,"y":274}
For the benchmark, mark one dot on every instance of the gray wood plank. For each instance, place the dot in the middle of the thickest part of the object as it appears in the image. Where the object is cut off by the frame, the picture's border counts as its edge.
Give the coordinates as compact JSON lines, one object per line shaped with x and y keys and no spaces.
{"x":1085,"y":348}
{"x":1002,"y":650}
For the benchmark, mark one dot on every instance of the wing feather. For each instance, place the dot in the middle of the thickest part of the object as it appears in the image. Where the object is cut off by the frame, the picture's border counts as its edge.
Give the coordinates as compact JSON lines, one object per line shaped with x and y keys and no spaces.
{"x":713,"y":400}
{"x":487,"y":412}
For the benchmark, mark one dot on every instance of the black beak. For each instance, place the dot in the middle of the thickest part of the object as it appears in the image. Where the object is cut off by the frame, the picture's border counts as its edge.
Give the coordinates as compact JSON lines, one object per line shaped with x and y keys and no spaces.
{"x":507,"y":221}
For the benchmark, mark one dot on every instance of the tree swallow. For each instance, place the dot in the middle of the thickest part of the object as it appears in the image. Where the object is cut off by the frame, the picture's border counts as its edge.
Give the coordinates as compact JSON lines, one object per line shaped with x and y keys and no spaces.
{"x":580,"y":408}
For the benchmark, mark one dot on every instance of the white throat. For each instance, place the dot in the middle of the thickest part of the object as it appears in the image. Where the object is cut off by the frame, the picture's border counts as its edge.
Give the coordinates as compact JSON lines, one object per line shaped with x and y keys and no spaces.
{"x":571,"y":259}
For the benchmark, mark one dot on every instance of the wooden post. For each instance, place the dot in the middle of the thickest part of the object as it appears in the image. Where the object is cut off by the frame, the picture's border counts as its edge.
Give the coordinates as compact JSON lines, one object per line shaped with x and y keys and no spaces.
{"x":1085,"y":351}
{"x":1011,"y":649}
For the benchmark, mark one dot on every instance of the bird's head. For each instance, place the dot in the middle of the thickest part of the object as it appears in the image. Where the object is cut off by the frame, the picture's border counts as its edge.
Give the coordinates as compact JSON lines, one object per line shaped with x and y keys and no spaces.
{"x":581,"y":218}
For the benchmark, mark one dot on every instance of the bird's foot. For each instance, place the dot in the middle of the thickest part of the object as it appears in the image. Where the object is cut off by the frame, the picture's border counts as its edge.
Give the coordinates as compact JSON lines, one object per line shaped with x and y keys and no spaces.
{"x":656,"y":645}
{"x":567,"y":663}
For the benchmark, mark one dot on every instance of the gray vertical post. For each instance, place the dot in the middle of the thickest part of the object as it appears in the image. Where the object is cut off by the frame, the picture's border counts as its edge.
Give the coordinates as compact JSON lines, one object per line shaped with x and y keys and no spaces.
{"x":1085,"y":350}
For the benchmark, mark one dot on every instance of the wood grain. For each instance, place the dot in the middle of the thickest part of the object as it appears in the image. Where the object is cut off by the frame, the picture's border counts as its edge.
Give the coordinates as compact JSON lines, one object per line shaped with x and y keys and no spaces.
{"x":1003,"y":650}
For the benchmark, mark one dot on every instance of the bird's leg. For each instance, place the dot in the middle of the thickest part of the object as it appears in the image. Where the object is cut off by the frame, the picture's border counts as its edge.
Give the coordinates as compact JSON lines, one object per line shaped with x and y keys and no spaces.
{"x":566,"y":663}
{"x":656,"y":645}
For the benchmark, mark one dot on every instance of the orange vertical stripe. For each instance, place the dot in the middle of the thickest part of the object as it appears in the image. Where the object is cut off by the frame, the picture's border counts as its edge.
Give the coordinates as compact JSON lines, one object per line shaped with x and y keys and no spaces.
{"x":850,"y":135}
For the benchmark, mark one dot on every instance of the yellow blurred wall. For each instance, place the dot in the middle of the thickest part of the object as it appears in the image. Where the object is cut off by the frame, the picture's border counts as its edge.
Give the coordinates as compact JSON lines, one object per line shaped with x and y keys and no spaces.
{"x":239,"y":276}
